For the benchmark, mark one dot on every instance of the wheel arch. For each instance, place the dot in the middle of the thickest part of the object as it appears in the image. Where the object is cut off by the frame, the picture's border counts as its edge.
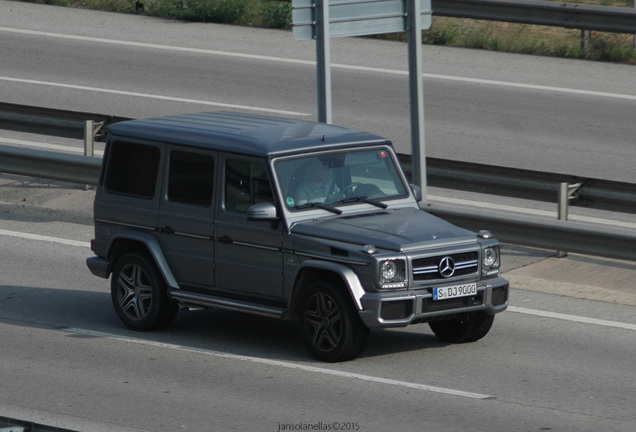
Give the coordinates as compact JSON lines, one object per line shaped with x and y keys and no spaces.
{"x":126,"y":241}
{"x":335,"y":273}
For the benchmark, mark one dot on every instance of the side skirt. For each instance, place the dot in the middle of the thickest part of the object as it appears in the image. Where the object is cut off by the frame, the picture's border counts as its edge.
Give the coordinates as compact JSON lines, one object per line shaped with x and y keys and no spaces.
{"x":197,"y":300}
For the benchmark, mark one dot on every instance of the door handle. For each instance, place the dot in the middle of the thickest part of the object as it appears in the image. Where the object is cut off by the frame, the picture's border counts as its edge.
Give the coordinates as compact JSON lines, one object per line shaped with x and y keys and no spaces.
{"x":166,"y":230}
{"x":226,"y":240}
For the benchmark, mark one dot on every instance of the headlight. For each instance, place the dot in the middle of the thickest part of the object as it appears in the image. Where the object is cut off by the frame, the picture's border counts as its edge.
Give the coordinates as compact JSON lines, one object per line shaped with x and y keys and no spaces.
{"x":389,"y":269}
{"x":393,"y":274}
{"x":490,"y":261}
{"x":490,"y":257}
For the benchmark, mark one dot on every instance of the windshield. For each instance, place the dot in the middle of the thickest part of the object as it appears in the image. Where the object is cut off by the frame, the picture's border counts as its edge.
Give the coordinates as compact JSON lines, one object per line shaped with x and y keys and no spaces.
{"x":340,"y":177}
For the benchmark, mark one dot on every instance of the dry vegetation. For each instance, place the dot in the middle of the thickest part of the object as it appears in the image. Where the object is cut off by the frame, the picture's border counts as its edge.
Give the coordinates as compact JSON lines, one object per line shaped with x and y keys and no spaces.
{"x":490,"y":35}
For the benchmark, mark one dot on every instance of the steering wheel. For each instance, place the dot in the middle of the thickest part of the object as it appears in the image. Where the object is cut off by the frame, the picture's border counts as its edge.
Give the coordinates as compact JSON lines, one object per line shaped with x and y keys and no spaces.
{"x":348,"y":191}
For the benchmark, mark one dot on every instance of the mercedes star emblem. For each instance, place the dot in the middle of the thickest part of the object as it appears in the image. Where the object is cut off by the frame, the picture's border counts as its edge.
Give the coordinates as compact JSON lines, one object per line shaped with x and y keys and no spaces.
{"x":447,"y":267}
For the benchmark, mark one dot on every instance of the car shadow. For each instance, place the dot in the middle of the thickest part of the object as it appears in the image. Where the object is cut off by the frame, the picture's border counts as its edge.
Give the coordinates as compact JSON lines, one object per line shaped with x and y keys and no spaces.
{"x":214,"y":330}
{"x":245,"y":334}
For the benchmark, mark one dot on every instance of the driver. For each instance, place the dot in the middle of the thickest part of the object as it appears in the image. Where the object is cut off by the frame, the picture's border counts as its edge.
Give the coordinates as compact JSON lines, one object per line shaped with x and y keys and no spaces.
{"x":315,"y":185}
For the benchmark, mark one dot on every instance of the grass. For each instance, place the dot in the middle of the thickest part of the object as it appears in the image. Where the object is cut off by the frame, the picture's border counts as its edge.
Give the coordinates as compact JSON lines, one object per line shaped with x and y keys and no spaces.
{"x":530,"y":39}
{"x":469,"y":33}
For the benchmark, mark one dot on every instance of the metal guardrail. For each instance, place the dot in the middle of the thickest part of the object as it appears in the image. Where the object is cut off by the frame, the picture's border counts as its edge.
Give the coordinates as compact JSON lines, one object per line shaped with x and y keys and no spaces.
{"x":49,"y":165}
{"x":525,"y":230}
{"x":558,"y":14}
{"x":448,"y":174}
{"x":54,"y":122}
{"x":545,"y":234}
{"x":527,"y":184}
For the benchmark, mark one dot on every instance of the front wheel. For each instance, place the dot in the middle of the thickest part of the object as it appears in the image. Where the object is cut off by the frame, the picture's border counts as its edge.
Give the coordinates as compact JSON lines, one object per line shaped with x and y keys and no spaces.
{"x":463,"y":328}
{"x":139,"y":294}
{"x":329,"y":325}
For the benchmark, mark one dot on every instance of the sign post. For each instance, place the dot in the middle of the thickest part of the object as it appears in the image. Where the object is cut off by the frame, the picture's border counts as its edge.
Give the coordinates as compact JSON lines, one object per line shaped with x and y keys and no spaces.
{"x":324,"y":19}
{"x":416,"y":93}
{"x":323,"y":61}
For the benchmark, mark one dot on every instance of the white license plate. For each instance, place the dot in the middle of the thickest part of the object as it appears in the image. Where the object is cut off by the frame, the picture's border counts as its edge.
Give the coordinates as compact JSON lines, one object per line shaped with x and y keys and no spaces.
{"x":455,"y":291}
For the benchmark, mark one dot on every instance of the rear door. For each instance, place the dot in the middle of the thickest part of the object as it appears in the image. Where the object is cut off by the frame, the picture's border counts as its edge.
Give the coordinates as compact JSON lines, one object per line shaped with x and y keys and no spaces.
{"x":129,"y":194}
{"x":186,"y":217}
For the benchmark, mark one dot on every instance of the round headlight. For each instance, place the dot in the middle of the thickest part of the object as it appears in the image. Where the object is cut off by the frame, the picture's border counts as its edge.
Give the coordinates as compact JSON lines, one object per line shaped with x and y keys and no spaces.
{"x":388,"y":271}
{"x":490,"y":257}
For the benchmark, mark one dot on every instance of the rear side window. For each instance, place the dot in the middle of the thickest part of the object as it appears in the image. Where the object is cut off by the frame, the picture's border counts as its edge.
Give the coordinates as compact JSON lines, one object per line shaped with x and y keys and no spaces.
{"x":191,"y":178}
{"x":132,"y":169}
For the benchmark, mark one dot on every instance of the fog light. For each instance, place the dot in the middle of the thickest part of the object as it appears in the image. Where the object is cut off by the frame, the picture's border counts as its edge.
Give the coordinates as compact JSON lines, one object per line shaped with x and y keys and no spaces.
{"x":396,"y":310}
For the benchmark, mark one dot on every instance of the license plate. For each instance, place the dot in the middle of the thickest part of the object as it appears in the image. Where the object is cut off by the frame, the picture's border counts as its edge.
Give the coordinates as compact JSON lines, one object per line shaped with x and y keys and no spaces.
{"x":455,"y":291}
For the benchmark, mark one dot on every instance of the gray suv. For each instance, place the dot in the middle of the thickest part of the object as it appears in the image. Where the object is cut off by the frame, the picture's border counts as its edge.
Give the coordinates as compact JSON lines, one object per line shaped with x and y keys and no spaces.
{"x":287,"y":219}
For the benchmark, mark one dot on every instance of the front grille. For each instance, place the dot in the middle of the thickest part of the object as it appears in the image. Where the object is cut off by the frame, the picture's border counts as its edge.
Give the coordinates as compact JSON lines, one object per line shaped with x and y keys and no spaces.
{"x":429,"y":268}
{"x":430,"y":305}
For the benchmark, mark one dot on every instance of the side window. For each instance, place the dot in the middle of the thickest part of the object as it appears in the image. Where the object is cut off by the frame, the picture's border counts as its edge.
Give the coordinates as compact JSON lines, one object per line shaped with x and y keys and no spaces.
{"x":191,"y":178}
{"x":132,"y":169}
{"x":246,"y":183}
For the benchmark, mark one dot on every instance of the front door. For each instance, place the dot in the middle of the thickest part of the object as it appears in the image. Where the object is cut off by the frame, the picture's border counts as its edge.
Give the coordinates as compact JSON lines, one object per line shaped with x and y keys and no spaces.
{"x":249,"y":257}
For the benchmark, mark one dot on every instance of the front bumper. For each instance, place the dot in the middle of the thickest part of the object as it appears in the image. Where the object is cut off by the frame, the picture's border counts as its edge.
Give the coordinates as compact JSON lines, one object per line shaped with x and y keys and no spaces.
{"x":399,"y":309}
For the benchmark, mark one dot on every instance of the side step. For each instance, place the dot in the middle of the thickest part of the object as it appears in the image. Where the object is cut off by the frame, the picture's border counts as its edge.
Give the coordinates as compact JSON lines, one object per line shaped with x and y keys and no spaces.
{"x":189,"y":298}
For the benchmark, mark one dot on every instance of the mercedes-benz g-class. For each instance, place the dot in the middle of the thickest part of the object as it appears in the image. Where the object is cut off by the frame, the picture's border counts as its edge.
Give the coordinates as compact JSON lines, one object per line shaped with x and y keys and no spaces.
{"x":283,"y":218}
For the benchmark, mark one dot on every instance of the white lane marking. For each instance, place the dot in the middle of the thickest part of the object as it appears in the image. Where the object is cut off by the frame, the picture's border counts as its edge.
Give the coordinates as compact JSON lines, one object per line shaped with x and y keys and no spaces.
{"x":285,"y":364}
{"x":546,"y":213}
{"x":556,"y":315}
{"x":47,"y":146}
{"x":153,"y":96}
{"x":534,"y":87}
{"x":573,"y":318}
{"x":312,"y":63}
{"x":156,"y":46}
{"x":44,"y":238}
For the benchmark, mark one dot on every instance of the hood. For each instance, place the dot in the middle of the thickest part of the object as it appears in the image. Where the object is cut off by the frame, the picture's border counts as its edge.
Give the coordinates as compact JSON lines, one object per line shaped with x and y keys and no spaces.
{"x":399,"y":230}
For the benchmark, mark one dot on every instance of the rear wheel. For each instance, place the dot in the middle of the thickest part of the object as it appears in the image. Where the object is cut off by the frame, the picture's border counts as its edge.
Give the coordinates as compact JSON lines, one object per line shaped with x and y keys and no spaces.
{"x":329,"y":324}
{"x":139,"y":294}
{"x":468,"y":327}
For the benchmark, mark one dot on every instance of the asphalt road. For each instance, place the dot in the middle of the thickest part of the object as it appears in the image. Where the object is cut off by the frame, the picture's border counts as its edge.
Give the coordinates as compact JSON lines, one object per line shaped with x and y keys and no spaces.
{"x":553,"y":362}
{"x":554,"y":115}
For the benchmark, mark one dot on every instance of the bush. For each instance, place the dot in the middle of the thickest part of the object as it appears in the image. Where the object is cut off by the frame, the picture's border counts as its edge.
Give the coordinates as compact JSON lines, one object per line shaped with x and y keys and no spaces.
{"x":255,"y":13}
{"x":509,"y":37}
{"x":217,"y":11}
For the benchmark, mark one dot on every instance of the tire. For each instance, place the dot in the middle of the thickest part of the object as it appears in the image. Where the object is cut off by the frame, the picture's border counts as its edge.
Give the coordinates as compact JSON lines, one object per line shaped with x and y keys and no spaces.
{"x":139,"y":294}
{"x":469,"y":327}
{"x":329,"y":324}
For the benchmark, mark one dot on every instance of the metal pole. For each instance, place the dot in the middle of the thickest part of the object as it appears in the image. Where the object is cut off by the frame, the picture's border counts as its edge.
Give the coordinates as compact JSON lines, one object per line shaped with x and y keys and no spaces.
{"x":416,"y":93}
{"x":89,"y":142}
{"x":323,"y":60}
{"x":564,"y":198}
{"x":586,"y":41}
{"x":89,"y":138}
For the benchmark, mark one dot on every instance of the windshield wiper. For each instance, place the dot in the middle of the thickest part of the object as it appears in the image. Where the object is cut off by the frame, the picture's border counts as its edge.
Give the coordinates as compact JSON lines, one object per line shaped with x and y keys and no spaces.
{"x":364,"y":200}
{"x":320,"y":206}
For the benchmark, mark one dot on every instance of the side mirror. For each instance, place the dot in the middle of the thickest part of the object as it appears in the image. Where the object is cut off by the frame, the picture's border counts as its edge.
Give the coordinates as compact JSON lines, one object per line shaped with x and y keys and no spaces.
{"x":417,"y":192}
{"x":262,"y":212}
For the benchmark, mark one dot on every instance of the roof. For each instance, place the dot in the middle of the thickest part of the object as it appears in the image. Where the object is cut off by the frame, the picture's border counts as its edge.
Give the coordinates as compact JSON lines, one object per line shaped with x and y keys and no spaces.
{"x":241,"y":133}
